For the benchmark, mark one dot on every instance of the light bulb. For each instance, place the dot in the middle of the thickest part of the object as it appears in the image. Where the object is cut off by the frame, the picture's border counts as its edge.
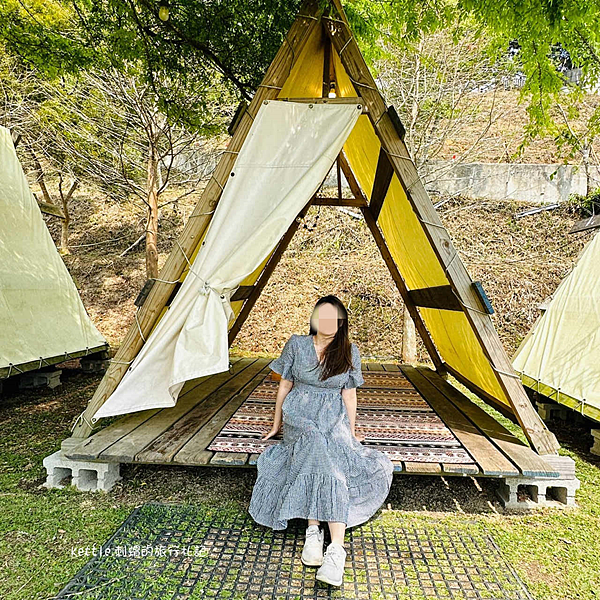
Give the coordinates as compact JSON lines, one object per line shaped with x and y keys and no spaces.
{"x":332,"y":93}
{"x":163,"y":12}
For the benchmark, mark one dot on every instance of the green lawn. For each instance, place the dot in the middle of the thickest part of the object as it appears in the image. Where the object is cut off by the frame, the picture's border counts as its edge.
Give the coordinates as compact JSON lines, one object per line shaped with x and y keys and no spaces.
{"x":556,"y":552}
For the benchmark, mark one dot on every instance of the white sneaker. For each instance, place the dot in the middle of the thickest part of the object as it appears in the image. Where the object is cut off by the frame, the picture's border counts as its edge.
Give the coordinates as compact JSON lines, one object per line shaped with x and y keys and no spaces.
{"x":312,"y":553}
{"x":332,"y":569}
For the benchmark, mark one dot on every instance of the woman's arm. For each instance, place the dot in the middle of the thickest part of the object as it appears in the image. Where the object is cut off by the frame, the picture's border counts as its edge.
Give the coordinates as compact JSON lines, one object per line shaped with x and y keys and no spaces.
{"x":349,"y":398}
{"x":285,"y":385}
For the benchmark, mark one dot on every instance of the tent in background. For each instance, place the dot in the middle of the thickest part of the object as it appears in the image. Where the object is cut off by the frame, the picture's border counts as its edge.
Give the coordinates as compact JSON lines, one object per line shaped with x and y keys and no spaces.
{"x":560,"y":356}
{"x":42,"y":318}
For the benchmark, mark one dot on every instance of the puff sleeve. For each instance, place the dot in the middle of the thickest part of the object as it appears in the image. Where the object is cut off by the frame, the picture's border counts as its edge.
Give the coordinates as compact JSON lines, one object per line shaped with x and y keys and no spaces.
{"x":355,"y":377}
{"x":283,"y":364}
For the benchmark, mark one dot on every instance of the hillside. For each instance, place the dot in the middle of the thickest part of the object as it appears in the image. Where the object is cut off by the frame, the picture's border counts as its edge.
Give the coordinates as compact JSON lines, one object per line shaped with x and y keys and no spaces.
{"x":520,"y":262}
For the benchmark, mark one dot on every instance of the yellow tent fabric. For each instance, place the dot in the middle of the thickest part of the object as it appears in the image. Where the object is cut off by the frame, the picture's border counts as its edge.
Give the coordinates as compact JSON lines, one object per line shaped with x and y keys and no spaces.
{"x":41,"y":313}
{"x":560,"y":355}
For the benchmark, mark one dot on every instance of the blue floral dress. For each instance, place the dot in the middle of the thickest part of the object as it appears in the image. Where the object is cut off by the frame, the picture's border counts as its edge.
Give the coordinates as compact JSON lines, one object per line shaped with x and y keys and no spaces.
{"x":319,"y":470}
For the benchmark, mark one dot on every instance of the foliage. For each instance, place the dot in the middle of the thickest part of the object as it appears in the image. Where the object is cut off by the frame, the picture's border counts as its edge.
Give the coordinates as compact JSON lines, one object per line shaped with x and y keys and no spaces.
{"x":587,"y":205}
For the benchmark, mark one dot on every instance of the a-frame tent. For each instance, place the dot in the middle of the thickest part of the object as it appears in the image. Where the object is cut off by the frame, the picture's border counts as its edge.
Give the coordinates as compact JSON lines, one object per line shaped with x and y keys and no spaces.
{"x":559,"y":356}
{"x":450,"y":312}
{"x":42,"y":318}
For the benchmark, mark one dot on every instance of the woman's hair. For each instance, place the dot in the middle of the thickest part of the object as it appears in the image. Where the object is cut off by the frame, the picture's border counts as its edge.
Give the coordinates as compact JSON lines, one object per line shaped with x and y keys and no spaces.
{"x":337,"y":356}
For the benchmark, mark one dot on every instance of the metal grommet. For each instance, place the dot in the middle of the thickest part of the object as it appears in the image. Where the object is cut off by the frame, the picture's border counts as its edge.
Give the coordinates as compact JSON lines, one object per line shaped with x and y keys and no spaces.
{"x":265,"y":102}
{"x":232,"y":173}
{"x":310,"y":106}
{"x":359,"y":107}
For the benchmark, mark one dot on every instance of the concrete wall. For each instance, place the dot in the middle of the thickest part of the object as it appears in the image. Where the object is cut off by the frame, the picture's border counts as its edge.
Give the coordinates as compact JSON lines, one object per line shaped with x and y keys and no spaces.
{"x":527,"y":182}
{"x":498,"y":181}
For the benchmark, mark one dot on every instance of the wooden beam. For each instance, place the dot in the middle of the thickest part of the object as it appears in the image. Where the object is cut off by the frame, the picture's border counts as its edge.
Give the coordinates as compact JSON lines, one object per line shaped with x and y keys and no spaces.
{"x":199,"y":220}
{"x":490,"y":460}
{"x":543,"y":440}
{"x":585,"y":224}
{"x":343,"y":100}
{"x":441,"y":297}
{"x":519,"y":453}
{"x":389,"y":261}
{"x":50,"y":209}
{"x":242,"y":293}
{"x":493,"y":402}
{"x":355,"y":202}
{"x":381,"y":183}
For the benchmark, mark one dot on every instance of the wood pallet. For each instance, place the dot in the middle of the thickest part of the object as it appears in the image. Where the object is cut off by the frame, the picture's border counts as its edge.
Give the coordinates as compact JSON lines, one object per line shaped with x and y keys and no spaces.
{"x":180,"y":435}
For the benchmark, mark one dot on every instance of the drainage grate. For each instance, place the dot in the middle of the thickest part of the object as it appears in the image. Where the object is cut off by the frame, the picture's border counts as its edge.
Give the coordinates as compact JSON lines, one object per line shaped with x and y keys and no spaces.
{"x":185,"y":552}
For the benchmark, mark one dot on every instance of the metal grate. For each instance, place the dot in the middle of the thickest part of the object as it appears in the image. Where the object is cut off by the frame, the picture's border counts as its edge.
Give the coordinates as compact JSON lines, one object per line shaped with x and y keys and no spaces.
{"x":185,"y":552}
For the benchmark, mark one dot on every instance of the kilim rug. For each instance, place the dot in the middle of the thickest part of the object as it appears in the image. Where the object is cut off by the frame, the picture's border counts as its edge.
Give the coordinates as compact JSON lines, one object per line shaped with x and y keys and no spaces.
{"x":390,"y":413}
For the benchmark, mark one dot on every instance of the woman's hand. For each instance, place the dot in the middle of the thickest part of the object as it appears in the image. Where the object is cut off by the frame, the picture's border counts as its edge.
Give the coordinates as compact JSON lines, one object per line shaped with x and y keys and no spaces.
{"x":274,"y":431}
{"x":359,"y":436}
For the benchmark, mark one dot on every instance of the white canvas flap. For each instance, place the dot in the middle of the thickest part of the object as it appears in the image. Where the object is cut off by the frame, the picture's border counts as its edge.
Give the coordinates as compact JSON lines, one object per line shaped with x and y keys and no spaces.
{"x":288,"y":152}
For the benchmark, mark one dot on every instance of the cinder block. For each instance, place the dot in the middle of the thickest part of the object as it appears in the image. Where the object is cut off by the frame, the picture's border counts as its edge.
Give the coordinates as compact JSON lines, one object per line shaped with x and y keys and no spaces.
{"x":550,"y":410}
{"x":544,"y":491}
{"x":85,"y":475}
{"x":595,"y":449}
{"x":93,"y":365}
{"x":35,"y":379}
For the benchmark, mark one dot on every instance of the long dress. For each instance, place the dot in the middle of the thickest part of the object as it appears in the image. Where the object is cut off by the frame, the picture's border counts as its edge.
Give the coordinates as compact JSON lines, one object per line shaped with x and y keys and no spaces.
{"x":319,"y":470}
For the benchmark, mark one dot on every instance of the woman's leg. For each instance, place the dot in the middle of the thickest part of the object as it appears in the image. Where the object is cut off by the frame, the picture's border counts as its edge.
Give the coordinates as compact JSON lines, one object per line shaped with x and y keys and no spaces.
{"x":337,"y":531}
{"x":313,"y":522}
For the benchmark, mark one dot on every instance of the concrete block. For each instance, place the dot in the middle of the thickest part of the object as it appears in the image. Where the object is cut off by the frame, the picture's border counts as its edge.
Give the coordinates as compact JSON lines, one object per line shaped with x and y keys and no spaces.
{"x":550,"y":410}
{"x":94,"y":365}
{"x":544,"y":491}
{"x":595,"y":449}
{"x":35,"y":379}
{"x":87,"y":476}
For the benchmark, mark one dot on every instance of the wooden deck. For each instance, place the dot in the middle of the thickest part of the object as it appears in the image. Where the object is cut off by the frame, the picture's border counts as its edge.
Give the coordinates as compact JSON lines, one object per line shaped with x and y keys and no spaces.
{"x":180,"y":435}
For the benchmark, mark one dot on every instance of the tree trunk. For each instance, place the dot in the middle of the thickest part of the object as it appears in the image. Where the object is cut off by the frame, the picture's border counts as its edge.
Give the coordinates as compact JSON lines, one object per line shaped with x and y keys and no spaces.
{"x":64,"y":232}
{"x":409,"y":340}
{"x":152,"y":220}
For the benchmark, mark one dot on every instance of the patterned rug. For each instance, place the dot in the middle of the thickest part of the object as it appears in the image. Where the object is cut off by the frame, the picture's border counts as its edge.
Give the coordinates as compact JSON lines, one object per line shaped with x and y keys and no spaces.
{"x":390,"y":413}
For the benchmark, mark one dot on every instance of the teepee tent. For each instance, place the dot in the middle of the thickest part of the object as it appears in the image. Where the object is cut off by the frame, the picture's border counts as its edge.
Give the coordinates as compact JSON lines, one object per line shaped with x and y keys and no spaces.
{"x":42,"y":318}
{"x":282,"y":147}
{"x":559,"y":357}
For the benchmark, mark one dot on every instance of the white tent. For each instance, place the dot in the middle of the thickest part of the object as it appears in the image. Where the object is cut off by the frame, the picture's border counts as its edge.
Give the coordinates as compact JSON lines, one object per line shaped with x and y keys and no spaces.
{"x":42,"y":317}
{"x":560,"y":356}
{"x":289,"y":151}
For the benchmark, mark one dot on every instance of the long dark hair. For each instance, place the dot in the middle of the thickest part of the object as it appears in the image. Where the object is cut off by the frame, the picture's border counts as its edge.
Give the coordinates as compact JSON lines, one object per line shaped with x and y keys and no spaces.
{"x":337,"y":356}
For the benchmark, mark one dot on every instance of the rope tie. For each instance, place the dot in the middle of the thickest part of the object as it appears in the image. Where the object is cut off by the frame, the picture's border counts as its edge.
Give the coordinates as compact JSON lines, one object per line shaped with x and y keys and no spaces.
{"x":391,"y":153}
{"x":139,"y":326}
{"x":291,"y":48}
{"x":308,"y":17}
{"x":344,"y":46}
{"x":217,"y":182}
{"x":334,"y":19}
{"x":272,"y":87}
{"x":202,"y":213}
{"x":11,"y":367}
{"x":503,"y":372}
{"x":120,"y":362}
{"x":81,"y":417}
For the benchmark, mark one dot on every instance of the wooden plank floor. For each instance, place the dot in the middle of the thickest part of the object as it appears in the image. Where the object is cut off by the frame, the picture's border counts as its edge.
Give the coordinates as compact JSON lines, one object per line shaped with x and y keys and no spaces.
{"x":180,"y":435}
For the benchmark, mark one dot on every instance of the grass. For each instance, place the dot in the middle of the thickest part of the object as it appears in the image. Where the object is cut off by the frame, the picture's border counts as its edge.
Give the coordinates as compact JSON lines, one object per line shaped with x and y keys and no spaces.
{"x":555,"y":551}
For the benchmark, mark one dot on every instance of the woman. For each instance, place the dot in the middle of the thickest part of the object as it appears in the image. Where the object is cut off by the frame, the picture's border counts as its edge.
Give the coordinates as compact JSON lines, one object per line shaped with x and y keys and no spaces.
{"x":320,"y":471}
